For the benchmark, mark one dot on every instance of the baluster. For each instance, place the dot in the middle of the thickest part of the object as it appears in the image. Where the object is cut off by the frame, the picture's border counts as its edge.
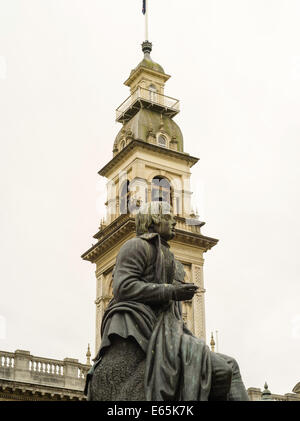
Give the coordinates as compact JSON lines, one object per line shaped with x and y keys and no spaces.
{"x":39,"y":367}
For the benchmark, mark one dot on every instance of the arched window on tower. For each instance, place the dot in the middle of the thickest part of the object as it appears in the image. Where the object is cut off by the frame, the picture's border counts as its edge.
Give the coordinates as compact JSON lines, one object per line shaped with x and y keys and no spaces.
{"x":161,"y":190}
{"x":124,"y":198}
{"x":162,"y":141}
{"x":152,"y":93}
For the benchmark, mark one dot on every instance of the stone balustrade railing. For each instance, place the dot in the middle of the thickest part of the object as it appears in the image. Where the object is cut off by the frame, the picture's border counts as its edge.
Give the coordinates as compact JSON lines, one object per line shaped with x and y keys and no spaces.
{"x":185,"y":226}
{"x":23,"y":367}
{"x":7,"y":361}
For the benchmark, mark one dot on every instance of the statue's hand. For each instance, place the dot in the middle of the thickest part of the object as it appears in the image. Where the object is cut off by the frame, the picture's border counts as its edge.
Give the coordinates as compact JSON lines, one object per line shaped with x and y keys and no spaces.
{"x":184,"y":292}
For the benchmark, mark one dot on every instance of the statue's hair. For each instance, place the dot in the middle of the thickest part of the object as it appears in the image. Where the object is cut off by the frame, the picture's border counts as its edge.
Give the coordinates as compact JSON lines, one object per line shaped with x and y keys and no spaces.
{"x":144,"y":216}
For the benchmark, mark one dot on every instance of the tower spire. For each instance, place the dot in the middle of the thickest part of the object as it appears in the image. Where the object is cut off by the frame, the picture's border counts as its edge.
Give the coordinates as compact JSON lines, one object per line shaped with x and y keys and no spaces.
{"x":88,"y":356}
{"x":147,"y":48}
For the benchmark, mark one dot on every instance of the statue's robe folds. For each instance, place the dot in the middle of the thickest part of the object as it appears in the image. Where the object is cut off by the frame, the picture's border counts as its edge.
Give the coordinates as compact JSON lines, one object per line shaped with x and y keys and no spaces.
{"x":178,"y":365}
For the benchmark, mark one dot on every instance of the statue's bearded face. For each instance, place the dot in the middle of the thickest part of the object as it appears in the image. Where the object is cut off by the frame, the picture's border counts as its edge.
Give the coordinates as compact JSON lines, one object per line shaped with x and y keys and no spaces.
{"x":165,"y":226}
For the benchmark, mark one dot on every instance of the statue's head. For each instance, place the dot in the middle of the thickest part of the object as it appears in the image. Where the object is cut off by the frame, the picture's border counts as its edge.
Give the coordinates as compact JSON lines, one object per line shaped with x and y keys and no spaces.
{"x":156,"y":217}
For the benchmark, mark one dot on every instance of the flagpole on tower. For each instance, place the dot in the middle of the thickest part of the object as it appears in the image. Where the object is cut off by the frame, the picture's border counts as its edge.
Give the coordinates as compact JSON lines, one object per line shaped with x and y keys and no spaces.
{"x":146,"y":23}
{"x":145,"y":12}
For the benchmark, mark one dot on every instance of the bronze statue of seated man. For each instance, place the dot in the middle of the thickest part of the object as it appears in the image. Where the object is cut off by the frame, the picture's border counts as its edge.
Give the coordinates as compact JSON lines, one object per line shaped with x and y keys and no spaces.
{"x":147,"y":352}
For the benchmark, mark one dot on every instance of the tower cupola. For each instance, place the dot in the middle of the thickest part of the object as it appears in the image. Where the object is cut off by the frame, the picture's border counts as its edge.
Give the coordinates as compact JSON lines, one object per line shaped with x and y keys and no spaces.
{"x":147,"y":82}
{"x":147,"y":61}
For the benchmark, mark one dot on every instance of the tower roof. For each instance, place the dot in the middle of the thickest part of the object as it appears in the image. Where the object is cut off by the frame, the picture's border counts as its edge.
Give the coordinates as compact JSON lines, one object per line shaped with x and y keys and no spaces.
{"x":144,"y":122}
{"x":147,"y":60}
{"x":147,"y":64}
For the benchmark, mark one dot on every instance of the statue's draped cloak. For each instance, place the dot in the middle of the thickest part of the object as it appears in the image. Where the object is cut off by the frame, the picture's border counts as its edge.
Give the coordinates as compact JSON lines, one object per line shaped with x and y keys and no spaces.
{"x":178,"y":365}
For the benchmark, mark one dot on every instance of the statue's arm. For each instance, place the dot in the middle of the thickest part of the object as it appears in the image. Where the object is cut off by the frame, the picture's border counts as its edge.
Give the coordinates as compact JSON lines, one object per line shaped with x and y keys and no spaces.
{"x":128,"y":285}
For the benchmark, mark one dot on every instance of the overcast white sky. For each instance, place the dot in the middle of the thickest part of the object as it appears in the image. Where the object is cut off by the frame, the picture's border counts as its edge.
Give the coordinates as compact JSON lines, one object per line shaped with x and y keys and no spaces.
{"x":235,"y":66}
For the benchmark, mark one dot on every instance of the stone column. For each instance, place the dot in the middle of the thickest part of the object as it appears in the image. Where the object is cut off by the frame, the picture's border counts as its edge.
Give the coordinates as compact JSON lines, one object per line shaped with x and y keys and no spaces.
{"x":137,"y":189}
{"x":99,"y":309}
{"x":199,"y":304}
{"x":186,"y":197}
{"x":103,"y":297}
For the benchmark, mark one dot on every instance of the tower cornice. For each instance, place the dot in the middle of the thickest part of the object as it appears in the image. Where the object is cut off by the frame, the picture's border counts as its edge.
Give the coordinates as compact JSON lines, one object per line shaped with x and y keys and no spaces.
{"x":136,"y":144}
{"x":124,"y":225}
{"x":143,"y":69}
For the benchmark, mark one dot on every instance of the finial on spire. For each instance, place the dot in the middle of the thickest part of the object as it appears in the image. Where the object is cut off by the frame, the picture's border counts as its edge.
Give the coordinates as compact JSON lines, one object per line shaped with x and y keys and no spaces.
{"x":212,"y":342}
{"x":147,"y":47}
{"x":88,"y":356}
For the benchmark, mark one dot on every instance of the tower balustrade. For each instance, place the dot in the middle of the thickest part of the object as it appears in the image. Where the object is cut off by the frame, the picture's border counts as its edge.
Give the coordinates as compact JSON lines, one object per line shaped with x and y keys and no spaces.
{"x":146,"y":98}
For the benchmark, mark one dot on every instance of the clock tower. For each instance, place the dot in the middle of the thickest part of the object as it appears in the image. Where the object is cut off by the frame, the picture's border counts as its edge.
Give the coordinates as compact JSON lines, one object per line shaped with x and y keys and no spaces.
{"x":149,"y":163}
